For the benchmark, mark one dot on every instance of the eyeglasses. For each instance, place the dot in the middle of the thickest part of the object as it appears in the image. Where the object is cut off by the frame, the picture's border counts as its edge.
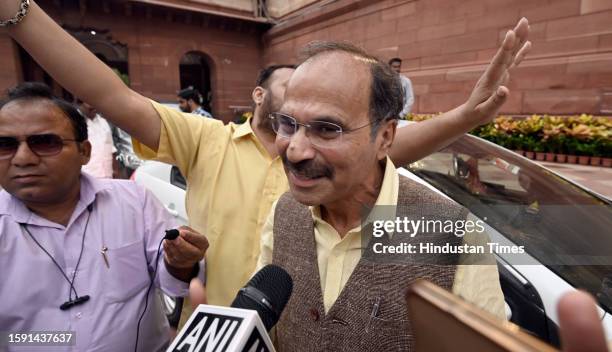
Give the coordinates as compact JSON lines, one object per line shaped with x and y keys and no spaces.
{"x":321,"y":133}
{"x":40,"y":144}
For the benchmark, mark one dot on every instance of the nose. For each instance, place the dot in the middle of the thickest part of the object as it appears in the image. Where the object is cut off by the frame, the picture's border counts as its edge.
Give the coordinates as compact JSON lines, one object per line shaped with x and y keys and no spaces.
{"x":300,"y":148}
{"x":24,"y":156}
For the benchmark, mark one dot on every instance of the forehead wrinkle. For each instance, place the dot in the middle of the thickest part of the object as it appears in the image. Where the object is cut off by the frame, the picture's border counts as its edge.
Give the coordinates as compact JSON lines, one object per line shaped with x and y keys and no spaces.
{"x":333,"y":81}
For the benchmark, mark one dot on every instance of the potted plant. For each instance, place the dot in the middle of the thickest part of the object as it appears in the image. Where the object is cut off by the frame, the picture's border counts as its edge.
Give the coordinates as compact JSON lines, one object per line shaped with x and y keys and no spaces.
{"x":584,"y":149}
{"x":604,"y":149}
{"x":595,"y":157}
{"x":570,"y":146}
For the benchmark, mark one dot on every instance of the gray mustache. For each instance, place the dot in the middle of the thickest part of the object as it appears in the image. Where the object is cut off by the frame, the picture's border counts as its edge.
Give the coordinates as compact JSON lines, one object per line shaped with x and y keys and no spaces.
{"x":308,"y":168}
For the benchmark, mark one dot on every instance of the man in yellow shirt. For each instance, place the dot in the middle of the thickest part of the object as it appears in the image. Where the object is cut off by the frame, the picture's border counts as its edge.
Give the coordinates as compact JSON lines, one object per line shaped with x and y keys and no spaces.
{"x":334,"y":133}
{"x":233,"y":171}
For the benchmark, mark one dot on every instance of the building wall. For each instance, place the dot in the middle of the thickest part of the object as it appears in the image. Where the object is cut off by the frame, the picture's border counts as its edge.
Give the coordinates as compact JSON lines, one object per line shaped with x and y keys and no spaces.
{"x":245,"y":5}
{"x":280,"y":8}
{"x":445,"y":45}
{"x":156,"y":42}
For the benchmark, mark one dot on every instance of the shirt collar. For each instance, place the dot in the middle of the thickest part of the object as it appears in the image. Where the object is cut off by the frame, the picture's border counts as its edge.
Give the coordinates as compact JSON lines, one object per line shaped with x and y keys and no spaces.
{"x":388,"y":195}
{"x":90,"y":188}
{"x":243,"y":129}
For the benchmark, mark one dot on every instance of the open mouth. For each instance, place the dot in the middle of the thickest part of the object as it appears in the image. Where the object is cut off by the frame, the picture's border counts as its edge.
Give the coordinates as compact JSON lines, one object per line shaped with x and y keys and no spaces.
{"x":304,"y":180}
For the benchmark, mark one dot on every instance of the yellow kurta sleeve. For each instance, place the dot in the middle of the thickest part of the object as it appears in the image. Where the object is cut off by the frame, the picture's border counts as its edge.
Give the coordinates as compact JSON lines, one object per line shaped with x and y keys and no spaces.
{"x":267,"y":241}
{"x":180,"y":138}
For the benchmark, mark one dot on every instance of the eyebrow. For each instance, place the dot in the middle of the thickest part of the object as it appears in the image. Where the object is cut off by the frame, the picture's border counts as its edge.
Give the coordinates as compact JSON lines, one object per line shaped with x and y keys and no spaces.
{"x":331,"y":119}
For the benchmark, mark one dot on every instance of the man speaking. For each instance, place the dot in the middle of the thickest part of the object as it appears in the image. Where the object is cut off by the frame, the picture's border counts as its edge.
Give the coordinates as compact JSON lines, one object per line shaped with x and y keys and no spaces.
{"x":334,"y":132}
{"x":79,"y":255}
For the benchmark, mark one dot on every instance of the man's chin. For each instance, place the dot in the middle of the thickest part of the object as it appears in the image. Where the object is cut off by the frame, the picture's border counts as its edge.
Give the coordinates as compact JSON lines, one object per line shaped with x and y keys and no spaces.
{"x":309,"y":197}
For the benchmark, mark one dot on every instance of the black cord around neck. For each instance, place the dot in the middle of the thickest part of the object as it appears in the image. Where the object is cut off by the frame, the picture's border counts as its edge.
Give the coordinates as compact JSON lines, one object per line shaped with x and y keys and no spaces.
{"x":78,"y":300}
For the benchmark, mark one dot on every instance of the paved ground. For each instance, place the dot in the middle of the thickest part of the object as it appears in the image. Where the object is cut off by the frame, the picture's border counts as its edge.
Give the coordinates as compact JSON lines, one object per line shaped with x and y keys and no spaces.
{"x":596,"y":178}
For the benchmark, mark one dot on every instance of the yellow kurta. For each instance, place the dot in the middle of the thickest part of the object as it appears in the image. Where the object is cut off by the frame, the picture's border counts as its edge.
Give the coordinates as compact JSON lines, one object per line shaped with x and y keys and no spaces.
{"x":231,"y":184}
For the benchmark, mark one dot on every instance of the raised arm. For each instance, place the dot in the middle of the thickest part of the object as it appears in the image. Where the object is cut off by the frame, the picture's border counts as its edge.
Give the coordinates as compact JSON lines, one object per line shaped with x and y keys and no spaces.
{"x":416,"y":141}
{"x":80,"y":72}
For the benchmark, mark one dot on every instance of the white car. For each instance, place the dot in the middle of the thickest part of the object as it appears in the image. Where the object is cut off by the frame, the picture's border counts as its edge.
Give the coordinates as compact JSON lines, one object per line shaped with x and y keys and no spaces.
{"x":167,"y":184}
{"x":522,"y":203}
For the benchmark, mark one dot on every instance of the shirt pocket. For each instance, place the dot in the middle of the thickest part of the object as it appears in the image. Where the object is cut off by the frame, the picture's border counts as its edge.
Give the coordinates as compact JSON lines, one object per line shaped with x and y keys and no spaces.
{"x":127,"y":273}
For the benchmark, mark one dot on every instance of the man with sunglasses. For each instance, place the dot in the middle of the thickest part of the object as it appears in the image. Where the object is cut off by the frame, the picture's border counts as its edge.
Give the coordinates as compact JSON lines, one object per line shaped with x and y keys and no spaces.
{"x":233,"y":171}
{"x":79,"y":254}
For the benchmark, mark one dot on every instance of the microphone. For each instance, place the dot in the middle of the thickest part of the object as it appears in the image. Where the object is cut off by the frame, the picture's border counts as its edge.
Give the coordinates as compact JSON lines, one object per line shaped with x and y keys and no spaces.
{"x":267,"y":293}
{"x":239,"y":328}
{"x":74,"y":302}
{"x":171,"y":234}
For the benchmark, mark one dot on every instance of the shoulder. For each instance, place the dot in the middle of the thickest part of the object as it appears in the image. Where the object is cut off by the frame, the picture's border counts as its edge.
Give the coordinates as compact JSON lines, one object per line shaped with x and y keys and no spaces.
{"x":169,"y":114}
{"x":125,"y":192}
{"x":405,"y":80}
{"x":415,"y":193}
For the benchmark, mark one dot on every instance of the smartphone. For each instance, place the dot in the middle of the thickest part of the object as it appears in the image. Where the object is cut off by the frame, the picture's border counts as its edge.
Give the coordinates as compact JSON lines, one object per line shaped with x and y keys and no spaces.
{"x":442,"y":322}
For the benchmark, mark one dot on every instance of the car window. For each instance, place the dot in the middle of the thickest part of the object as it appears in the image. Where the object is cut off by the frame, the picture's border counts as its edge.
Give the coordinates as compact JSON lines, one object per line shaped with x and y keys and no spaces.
{"x":177,"y":179}
{"x":563,"y":226}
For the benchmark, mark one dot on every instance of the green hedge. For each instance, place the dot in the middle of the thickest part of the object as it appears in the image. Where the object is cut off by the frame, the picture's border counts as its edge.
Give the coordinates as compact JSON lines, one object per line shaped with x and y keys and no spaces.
{"x":573,"y":135}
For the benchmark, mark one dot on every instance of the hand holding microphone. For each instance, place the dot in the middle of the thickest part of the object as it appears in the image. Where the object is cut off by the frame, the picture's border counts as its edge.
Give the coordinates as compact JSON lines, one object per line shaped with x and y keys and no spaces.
{"x":184,"y":247}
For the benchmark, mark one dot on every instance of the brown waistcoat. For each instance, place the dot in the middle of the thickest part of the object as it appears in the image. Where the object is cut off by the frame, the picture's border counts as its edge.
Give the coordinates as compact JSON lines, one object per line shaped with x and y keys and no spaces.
{"x":349,"y":325}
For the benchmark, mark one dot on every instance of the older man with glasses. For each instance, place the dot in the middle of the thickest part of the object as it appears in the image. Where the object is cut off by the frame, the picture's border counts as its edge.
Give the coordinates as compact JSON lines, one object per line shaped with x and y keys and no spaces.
{"x":334,"y":132}
{"x":79,"y":255}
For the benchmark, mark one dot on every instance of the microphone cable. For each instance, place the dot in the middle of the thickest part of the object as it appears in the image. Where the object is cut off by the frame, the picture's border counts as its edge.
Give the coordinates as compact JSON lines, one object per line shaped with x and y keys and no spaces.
{"x":170,"y":235}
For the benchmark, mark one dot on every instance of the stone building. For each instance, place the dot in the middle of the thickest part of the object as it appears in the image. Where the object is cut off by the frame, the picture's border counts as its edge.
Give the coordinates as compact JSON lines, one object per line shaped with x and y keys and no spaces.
{"x":219,"y":45}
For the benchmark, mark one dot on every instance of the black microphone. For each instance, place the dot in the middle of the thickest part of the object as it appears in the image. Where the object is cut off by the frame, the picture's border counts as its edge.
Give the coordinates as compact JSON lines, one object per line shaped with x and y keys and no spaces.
{"x":256,"y":308}
{"x":171,"y":234}
{"x":74,"y":302}
{"x":267,"y":293}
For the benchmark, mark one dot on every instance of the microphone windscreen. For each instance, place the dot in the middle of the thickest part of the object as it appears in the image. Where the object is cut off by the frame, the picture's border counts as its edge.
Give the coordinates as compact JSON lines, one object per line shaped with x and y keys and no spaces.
{"x":171,"y":234}
{"x":276,"y":285}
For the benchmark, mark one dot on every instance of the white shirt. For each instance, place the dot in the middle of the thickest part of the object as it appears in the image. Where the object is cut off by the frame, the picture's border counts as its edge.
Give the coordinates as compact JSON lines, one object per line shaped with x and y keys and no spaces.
{"x":101,"y":163}
{"x":408,"y":95}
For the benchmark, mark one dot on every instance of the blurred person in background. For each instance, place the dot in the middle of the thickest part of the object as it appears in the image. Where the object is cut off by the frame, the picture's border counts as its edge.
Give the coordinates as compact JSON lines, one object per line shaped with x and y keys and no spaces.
{"x":102,"y":148}
{"x":396,"y":65}
{"x":190,"y":101}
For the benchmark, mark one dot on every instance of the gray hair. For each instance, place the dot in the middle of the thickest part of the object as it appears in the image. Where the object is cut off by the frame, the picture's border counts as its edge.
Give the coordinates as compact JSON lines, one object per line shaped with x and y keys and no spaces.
{"x":386,"y":93}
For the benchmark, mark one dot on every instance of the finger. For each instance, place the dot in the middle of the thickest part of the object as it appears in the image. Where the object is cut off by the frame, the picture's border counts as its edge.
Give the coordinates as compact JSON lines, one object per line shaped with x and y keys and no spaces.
{"x":521,"y":54}
{"x":580,"y":324}
{"x":491,"y":106}
{"x":187,"y":252}
{"x":522,"y":33}
{"x":194,"y":238}
{"x":500,"y":62}
{"x":169,"y":252}
{"x":197,"y":293}
{"x":504,"y":79}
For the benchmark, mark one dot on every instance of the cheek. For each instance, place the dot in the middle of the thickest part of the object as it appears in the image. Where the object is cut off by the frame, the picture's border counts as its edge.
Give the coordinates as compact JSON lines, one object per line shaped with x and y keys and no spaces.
{"x":354,"y":160}
{"x":4,"y":167}
{"x":281,"y":144}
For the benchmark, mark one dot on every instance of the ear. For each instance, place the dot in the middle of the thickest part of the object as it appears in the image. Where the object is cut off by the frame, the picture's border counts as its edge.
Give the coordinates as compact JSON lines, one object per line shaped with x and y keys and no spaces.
{"x":258,"y":95}
{"x":386,"y":135}
{"x":85,"y":151}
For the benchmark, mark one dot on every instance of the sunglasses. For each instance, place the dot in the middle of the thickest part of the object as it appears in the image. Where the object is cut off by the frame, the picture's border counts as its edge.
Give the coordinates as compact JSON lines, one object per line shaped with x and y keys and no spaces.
{"x":48,"y":144}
